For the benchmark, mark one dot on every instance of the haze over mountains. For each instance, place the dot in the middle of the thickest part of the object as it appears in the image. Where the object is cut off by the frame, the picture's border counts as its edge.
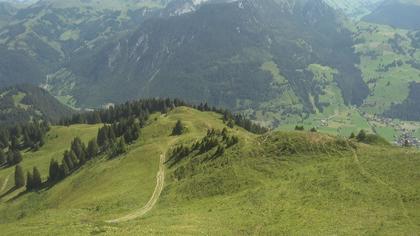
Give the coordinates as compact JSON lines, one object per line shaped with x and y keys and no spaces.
{"x":209,"y":117}
{"x":275,"y":60}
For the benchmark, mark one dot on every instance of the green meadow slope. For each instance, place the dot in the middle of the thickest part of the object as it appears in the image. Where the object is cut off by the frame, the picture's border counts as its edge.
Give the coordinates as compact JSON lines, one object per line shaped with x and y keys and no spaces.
{"x":278,"y":183}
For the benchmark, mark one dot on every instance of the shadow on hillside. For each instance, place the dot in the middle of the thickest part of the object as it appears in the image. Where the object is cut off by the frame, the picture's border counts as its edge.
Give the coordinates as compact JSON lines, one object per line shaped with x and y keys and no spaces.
{"x":11,"y":190}
{"x":45,"y":186}
{"x":17,"y":196}
{"x":5,"y":166}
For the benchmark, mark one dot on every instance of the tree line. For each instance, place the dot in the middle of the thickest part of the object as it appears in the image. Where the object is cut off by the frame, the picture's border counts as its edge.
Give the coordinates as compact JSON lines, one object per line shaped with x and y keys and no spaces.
{"x":141,"y":109}
{"x":111,"y":140}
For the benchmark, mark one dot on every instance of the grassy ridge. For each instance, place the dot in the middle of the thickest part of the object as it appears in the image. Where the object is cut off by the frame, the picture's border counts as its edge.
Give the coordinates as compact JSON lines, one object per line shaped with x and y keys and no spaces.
{"x":279,"y":183}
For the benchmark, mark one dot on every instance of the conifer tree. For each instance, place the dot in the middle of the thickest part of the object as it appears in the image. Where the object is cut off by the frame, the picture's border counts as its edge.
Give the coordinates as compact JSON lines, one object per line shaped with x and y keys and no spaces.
{"x":74,"y":159}
{"x":361,"y":136}
{"x":102,"y":138}
{"x":92,"y":149}
{"x":111,"y":134}
{"x":220,"y":150}
{"x":128,"y":135}
{"x":9,"y":158}
{"x":79,"y":149}
{"x":17,"y":157}
{"x":4,"y":138}
{"x":231,"y":124}
{"x":27,"y":140}
{"x":178,"y":129}
{"x":37,"y":180}
{"x":3,"y":159}
{"x":19,"y":177}
{"x":14,"y":143}
{"x":67,"y":159}
{"x":54,"y":171}
{"x":64,"y":170}
{"x":29,"y":181}
{"x":121,"y":147}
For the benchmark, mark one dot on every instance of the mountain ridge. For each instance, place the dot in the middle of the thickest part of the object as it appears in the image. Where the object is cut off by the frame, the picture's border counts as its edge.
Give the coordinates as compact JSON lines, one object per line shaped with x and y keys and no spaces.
{"x":239,"y":36}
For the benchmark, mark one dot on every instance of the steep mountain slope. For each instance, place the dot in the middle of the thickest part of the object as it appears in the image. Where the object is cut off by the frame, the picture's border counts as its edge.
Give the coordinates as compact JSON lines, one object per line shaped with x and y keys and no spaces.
{"x":51,"y":31}
{"x":6,"y":12}
{"x":278,"y":183}
{"x":237,"y":55}
{"x":355,"y":8}
{"x":16,"y":67}
{"x":390,"y":62}
{"x":23,"y":103}
{"x":397,"y":13}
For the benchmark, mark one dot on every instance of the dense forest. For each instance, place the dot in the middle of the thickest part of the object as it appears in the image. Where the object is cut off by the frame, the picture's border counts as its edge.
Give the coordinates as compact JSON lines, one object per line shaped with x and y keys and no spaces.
{"x":408,"y":109}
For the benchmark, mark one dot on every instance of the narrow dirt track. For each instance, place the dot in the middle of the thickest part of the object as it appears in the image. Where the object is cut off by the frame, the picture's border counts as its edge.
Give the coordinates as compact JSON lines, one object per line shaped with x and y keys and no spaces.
{"x":160,"y":180}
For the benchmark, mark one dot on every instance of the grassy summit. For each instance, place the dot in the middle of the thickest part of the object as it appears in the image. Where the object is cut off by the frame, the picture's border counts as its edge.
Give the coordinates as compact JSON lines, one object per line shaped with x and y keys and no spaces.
{"x":278,"y":183}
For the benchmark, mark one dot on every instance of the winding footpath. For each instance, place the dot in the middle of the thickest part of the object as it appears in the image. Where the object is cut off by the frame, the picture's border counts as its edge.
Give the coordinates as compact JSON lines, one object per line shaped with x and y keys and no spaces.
{"x":160,"y":180}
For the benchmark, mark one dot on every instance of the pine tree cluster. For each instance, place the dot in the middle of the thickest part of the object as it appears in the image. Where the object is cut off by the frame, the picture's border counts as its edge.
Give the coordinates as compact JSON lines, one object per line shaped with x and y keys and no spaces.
{"x":72,"y":159}
{"x":111,"y":139}
{"x":139,"y":109}
{"x":33,"y":180}
{"x":214,"y":138}
{"x":20,"y":137}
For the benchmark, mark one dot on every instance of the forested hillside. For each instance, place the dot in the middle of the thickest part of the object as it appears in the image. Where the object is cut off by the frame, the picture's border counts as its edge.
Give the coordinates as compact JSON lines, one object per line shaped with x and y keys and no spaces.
{"x":249,"y":54}
{"x":50,"y":32}
{"x":24,"y":103}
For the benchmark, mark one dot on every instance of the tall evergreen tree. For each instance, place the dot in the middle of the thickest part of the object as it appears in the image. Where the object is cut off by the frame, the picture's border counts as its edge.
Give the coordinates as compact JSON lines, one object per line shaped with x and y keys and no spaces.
{"x":17,"y":157}
{"x":29,"y":181}
{"x":64,"y":170}
{"x":102,"y":138}
{"x":19,"y":177}
{"x":122,"y":148}
{"x":54,"y":171}
{"x":14,"y":143}
{"x":79,"y":149}
{"x":37,"y":180}
{"x":74,"y":159}
{"x":178,"y":129}
{"x":68,"y":160}
{"x":27,"y":141}
{"x":92,"y":149}
{"x":9,"y":158}
{"x":3,"y":159}
{"x":111,"y":134}
{"x":361,"y":136}
{"x":4,"y":138}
